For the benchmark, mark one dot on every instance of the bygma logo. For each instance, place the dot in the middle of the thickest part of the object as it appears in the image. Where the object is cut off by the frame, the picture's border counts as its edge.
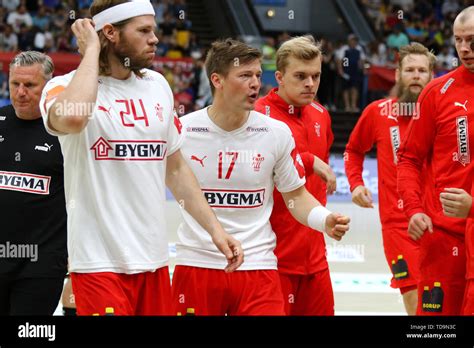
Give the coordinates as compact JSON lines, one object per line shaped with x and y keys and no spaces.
{"x":234,"y":199}
{"x":129,"y":150}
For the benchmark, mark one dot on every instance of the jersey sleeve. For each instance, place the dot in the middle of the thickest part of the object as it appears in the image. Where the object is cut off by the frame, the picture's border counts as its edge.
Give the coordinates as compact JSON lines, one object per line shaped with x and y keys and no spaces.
{"x":308,"y":162}
{"x":360,"y":142}
{"x":175,"y":135}
{"x":175,"y":128}
{"x":289,"y":171}
{"x":50,"y":92}
{"x":415,"y":148}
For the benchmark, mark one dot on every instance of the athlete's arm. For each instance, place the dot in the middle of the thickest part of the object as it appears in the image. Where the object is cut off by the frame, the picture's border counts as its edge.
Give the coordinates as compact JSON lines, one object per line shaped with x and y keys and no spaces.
{"x":362,"y":139}
{"x":301,"y":203}
{"x":324,"y":171}
{"x":416,"y":147}
{"x":82,"y":90}
{"x":183,"y":184}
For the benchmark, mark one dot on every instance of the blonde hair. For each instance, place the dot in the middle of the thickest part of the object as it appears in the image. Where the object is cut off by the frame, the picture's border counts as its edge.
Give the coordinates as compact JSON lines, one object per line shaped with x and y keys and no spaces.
{"x":416,"y":48}
{"x":302,"y":47}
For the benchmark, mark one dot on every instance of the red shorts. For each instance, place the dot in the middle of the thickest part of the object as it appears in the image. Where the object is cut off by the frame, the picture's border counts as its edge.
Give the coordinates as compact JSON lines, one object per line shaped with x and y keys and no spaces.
{"x":402,"y":254}
{"x":308,"y":294}
{"x":443,"y":271}
{"x":146,"y":293}
{"x":214,"y":292}
{"x":468,"y":304}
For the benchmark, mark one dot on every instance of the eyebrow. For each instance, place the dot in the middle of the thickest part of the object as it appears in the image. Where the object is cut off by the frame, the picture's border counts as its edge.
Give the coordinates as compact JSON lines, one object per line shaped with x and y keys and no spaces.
{"x":148,"y":26}
{"x":307,"y":73}
{"x":250,"y":71}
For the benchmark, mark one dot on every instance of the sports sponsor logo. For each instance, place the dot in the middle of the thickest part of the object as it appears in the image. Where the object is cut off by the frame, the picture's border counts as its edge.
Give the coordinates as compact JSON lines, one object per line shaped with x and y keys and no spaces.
{"x":197,"y":159}
{"x":197,"y":129}
{"x":447,"y":85}
{"x":104,"y":109}
{"x":432,"y":300}
{"x":464,"y":106}
{"x":25,"y":182}
{"x":463,"y":140}
{"x":317,"y":107}
{"x":400,"y":268}
{"x":395,"y":139}
{"x":2,"y":139}
{"x":129,"y":150}
{"x":239,"y":199}
{"x":257,"y":129}
{"x":45,"y":148}
{"x":3,"y":118}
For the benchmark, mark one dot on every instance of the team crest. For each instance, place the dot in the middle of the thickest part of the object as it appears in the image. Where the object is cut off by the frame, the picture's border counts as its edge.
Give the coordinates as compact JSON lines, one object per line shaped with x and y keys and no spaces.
{"x":317,"y":129}
{"x":159,"y":111}
{"x":257,"y":162}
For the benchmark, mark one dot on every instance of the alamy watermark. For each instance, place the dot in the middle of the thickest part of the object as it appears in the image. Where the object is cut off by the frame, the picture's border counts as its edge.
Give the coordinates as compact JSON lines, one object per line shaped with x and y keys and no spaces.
{"x":19,"y":251}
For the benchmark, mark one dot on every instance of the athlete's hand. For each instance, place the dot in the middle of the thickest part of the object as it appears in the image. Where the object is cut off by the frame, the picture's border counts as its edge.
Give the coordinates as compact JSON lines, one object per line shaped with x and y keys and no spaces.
{"x":456,"y":202}
{"x":231,"y":248}
{"x":324,"y":171}
{"x":337,"y":225}
{"x":418,"y":224}
{"x":87,"y":37}
{"x":362,"y":197}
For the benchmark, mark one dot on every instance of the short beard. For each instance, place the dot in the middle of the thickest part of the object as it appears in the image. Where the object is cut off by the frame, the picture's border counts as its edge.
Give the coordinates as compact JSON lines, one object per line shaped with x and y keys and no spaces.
{"x":407,"y":99}
{"x":129,"y":58}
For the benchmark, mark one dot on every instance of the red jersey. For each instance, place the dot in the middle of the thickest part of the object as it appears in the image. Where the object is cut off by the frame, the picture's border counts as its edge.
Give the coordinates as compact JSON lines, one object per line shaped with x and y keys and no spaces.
{"x":300,"y":250}
{"x":441,"y":136}
{"x":377,"y":126}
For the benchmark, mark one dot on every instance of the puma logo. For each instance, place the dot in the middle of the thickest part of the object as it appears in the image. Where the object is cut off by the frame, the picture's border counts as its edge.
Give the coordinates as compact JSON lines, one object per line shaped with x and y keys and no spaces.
{"x":462,"y":105}
{"x":45,"y":148}
{"x":102,"y":108}
{"x":194,"y":158}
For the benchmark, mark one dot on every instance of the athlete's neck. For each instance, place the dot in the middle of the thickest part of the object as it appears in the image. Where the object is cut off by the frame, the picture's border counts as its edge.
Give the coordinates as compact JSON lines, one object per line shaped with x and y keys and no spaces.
{"x":226,"y":118}
{"x":117,"y":69}
{"x":282,"y":94}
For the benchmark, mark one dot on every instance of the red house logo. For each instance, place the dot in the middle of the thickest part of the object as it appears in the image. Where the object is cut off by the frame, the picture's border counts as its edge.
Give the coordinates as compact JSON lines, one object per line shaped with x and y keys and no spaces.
{"x":101,"y":148}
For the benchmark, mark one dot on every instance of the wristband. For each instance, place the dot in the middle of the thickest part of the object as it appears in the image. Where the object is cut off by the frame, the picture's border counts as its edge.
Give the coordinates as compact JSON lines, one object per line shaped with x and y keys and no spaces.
{"x":317,"y":218}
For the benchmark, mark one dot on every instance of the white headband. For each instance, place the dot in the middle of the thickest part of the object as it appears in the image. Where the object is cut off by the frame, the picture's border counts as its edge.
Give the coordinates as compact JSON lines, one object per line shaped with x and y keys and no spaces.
{"x":122,"y":12}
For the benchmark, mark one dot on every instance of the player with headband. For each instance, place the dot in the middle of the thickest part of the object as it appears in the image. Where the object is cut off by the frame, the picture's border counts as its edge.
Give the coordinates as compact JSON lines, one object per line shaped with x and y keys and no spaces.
{"x":121,"y":143}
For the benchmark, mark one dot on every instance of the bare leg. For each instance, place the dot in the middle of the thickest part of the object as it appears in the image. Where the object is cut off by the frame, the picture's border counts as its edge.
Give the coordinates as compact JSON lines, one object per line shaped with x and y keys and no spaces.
{"x":67,"y":298}
{"x":410,"y":300}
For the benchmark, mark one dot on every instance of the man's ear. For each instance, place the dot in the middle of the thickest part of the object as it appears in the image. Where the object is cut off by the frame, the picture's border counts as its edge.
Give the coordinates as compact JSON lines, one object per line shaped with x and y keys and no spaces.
{"x":111,"y":33}
{"x":216,"y":80}
{"x":279,"y":77}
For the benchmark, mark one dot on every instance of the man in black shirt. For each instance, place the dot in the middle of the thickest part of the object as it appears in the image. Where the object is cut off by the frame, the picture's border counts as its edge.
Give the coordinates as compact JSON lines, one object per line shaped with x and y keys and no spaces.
{"x":33,"y":255}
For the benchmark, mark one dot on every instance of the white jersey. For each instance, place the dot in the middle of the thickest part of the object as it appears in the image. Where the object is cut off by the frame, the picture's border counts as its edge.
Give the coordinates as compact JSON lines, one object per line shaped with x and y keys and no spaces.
{"x":114,"y":174}
{"x":237,"y":172}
